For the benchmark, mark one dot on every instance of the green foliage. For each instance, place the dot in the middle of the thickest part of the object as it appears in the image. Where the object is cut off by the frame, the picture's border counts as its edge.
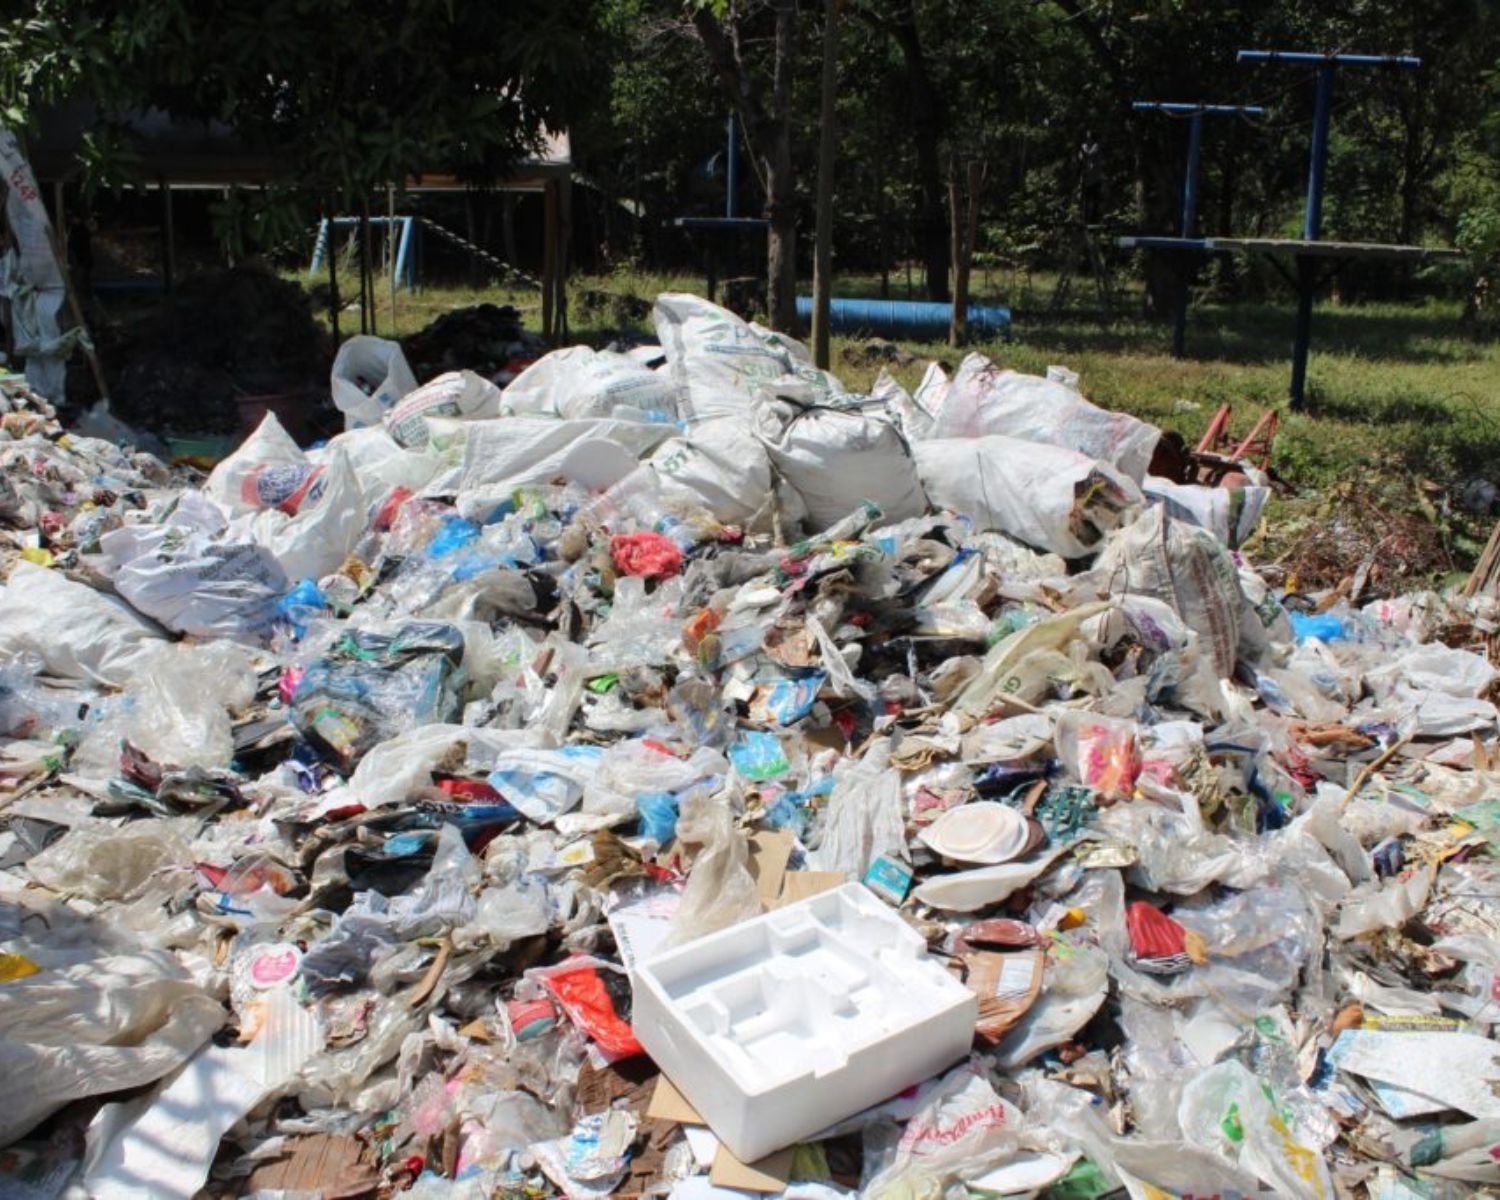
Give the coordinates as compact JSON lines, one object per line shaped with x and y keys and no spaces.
{"x":348,"y":94}
{"x":1021,"y":85}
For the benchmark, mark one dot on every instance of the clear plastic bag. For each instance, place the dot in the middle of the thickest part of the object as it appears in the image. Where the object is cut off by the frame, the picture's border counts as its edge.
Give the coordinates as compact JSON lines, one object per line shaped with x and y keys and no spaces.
{"x":1227,"y":1110}
{"x":1099,"y":752}
{"x":720,"y":890}
{"x":183,"y":702}
{"x":29,"y":710}
{"x":864,"y":819}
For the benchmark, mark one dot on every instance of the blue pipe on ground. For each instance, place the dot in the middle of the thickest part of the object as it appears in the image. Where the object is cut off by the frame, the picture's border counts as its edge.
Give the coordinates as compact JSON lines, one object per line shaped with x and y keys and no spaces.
{"x":919,"y":320}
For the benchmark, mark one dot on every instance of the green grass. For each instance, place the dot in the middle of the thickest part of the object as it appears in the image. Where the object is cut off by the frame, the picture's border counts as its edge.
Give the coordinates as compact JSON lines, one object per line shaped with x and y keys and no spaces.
{"x":1399,"y":393}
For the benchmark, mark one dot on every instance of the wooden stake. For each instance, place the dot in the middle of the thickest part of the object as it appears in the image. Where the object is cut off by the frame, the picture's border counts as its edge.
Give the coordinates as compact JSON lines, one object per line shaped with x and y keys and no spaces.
{"x":1368,"y":773}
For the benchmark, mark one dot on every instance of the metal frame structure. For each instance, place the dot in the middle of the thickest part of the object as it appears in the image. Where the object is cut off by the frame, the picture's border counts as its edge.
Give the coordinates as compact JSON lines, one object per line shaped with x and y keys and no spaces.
{"x":405,"y":269}
{"x":1313,"y":262}
{"x":1183,"y":263}
{"x":731,"y":224}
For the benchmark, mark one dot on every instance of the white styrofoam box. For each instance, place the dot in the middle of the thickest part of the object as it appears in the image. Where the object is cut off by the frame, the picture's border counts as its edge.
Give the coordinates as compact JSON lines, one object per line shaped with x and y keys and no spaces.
{"x":780,"y":1026}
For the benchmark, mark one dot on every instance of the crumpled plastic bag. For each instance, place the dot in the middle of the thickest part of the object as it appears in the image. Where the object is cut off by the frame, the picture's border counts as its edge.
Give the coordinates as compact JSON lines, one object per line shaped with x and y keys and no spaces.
{"x":1049,"y":497}
{"x":78,"y":633}
{"x":369,"y":375}
{"x":1226,"y":1109}
{"x":864,"y":820}
{"x":962,"y":1127}
{"x":194,"y":583}
{"x":1186,"y":567}
{"x":720,"y":890}
{"x":183,"y":701}
{"x":1099,"y":752}
{"x":105,"y":863}
{"x":648,"y":555}
{"x":106,"y":1025}
{"x":1380,"y":905}
{"x":984,"y":398}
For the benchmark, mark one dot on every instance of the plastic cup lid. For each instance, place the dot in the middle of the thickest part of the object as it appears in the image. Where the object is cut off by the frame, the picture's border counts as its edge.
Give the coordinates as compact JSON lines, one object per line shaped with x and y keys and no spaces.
{"x":982,"y":831}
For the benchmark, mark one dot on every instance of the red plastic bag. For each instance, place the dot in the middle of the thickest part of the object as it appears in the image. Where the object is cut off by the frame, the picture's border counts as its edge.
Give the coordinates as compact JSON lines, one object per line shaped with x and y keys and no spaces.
{"x":649,"y":555}
{"x":582,"y":995}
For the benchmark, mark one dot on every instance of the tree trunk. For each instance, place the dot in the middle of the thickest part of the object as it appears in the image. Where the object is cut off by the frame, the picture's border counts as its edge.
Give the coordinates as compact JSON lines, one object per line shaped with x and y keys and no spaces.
{"x":781,"y":187}
{"x":827,"y":149}
{"x":965,"y":224}
{"x":508,"y":227}
{"x":768,"y":135}
{"x":927,"y":128}
{"x":1159,"y":202}
{"x":333,"y":274}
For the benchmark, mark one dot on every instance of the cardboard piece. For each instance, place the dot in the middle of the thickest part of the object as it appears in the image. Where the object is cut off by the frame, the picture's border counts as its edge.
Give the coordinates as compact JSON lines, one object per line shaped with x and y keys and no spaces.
{"x":770,"y":851}
{"x":1007,"y":985}
{"x":799,"y":885}
{"x":668,"y":1104}
{"x":769,"y":1174}
{"x":335,"y":1166}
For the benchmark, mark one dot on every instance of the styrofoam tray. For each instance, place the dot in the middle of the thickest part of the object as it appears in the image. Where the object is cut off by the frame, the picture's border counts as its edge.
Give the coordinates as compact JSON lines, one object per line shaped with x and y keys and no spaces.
{"x":780,"y":1026}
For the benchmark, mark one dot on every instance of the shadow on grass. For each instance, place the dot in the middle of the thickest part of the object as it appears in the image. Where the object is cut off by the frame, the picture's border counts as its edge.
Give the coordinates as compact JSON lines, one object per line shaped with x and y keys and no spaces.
{"x":1261,"y":334}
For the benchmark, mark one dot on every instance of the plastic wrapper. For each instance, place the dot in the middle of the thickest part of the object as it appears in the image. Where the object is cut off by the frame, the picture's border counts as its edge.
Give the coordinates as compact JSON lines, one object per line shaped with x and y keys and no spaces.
{"x":374,"y":685}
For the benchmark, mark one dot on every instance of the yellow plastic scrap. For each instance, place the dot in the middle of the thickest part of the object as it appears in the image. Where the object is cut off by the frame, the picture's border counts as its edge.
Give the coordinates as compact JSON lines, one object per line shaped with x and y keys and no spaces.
{"x":16,"y":966}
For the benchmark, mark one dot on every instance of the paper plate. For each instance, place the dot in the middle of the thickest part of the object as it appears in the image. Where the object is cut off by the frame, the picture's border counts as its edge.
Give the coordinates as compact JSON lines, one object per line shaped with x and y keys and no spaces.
{"x":982,"y":831}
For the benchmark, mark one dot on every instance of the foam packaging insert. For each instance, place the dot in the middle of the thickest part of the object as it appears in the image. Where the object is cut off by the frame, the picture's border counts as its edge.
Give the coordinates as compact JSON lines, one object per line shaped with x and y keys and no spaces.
{"x":777,"y":1027}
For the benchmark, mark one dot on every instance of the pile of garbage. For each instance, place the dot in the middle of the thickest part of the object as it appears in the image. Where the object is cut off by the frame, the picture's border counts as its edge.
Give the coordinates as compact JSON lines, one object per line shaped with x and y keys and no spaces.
{"x":218,"y":338}
{"x":486,"y":338}
{"x":673,"y":775}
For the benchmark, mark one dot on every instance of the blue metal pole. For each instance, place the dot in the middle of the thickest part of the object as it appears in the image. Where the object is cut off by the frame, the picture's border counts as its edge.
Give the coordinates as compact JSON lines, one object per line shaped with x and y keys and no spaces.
{"x":320,"y":247}
{"x":403,"y":249}
{"x":732,"y":168}
{"x":1408,"y":62}
{"x":1313,"y":224}
{"x":1190,"y":179}
{"x":1189,"y":219}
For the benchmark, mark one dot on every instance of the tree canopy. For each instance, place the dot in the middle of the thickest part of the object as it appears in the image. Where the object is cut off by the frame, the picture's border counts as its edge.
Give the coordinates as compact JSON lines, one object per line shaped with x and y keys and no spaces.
{"x":1021,"y":85}
{"x":357,"y":93}
{"x":349,"y":94}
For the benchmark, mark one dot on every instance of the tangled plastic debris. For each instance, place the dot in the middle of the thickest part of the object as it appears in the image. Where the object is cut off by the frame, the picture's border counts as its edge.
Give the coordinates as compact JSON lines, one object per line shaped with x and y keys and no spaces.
{"x":367,"y":809}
